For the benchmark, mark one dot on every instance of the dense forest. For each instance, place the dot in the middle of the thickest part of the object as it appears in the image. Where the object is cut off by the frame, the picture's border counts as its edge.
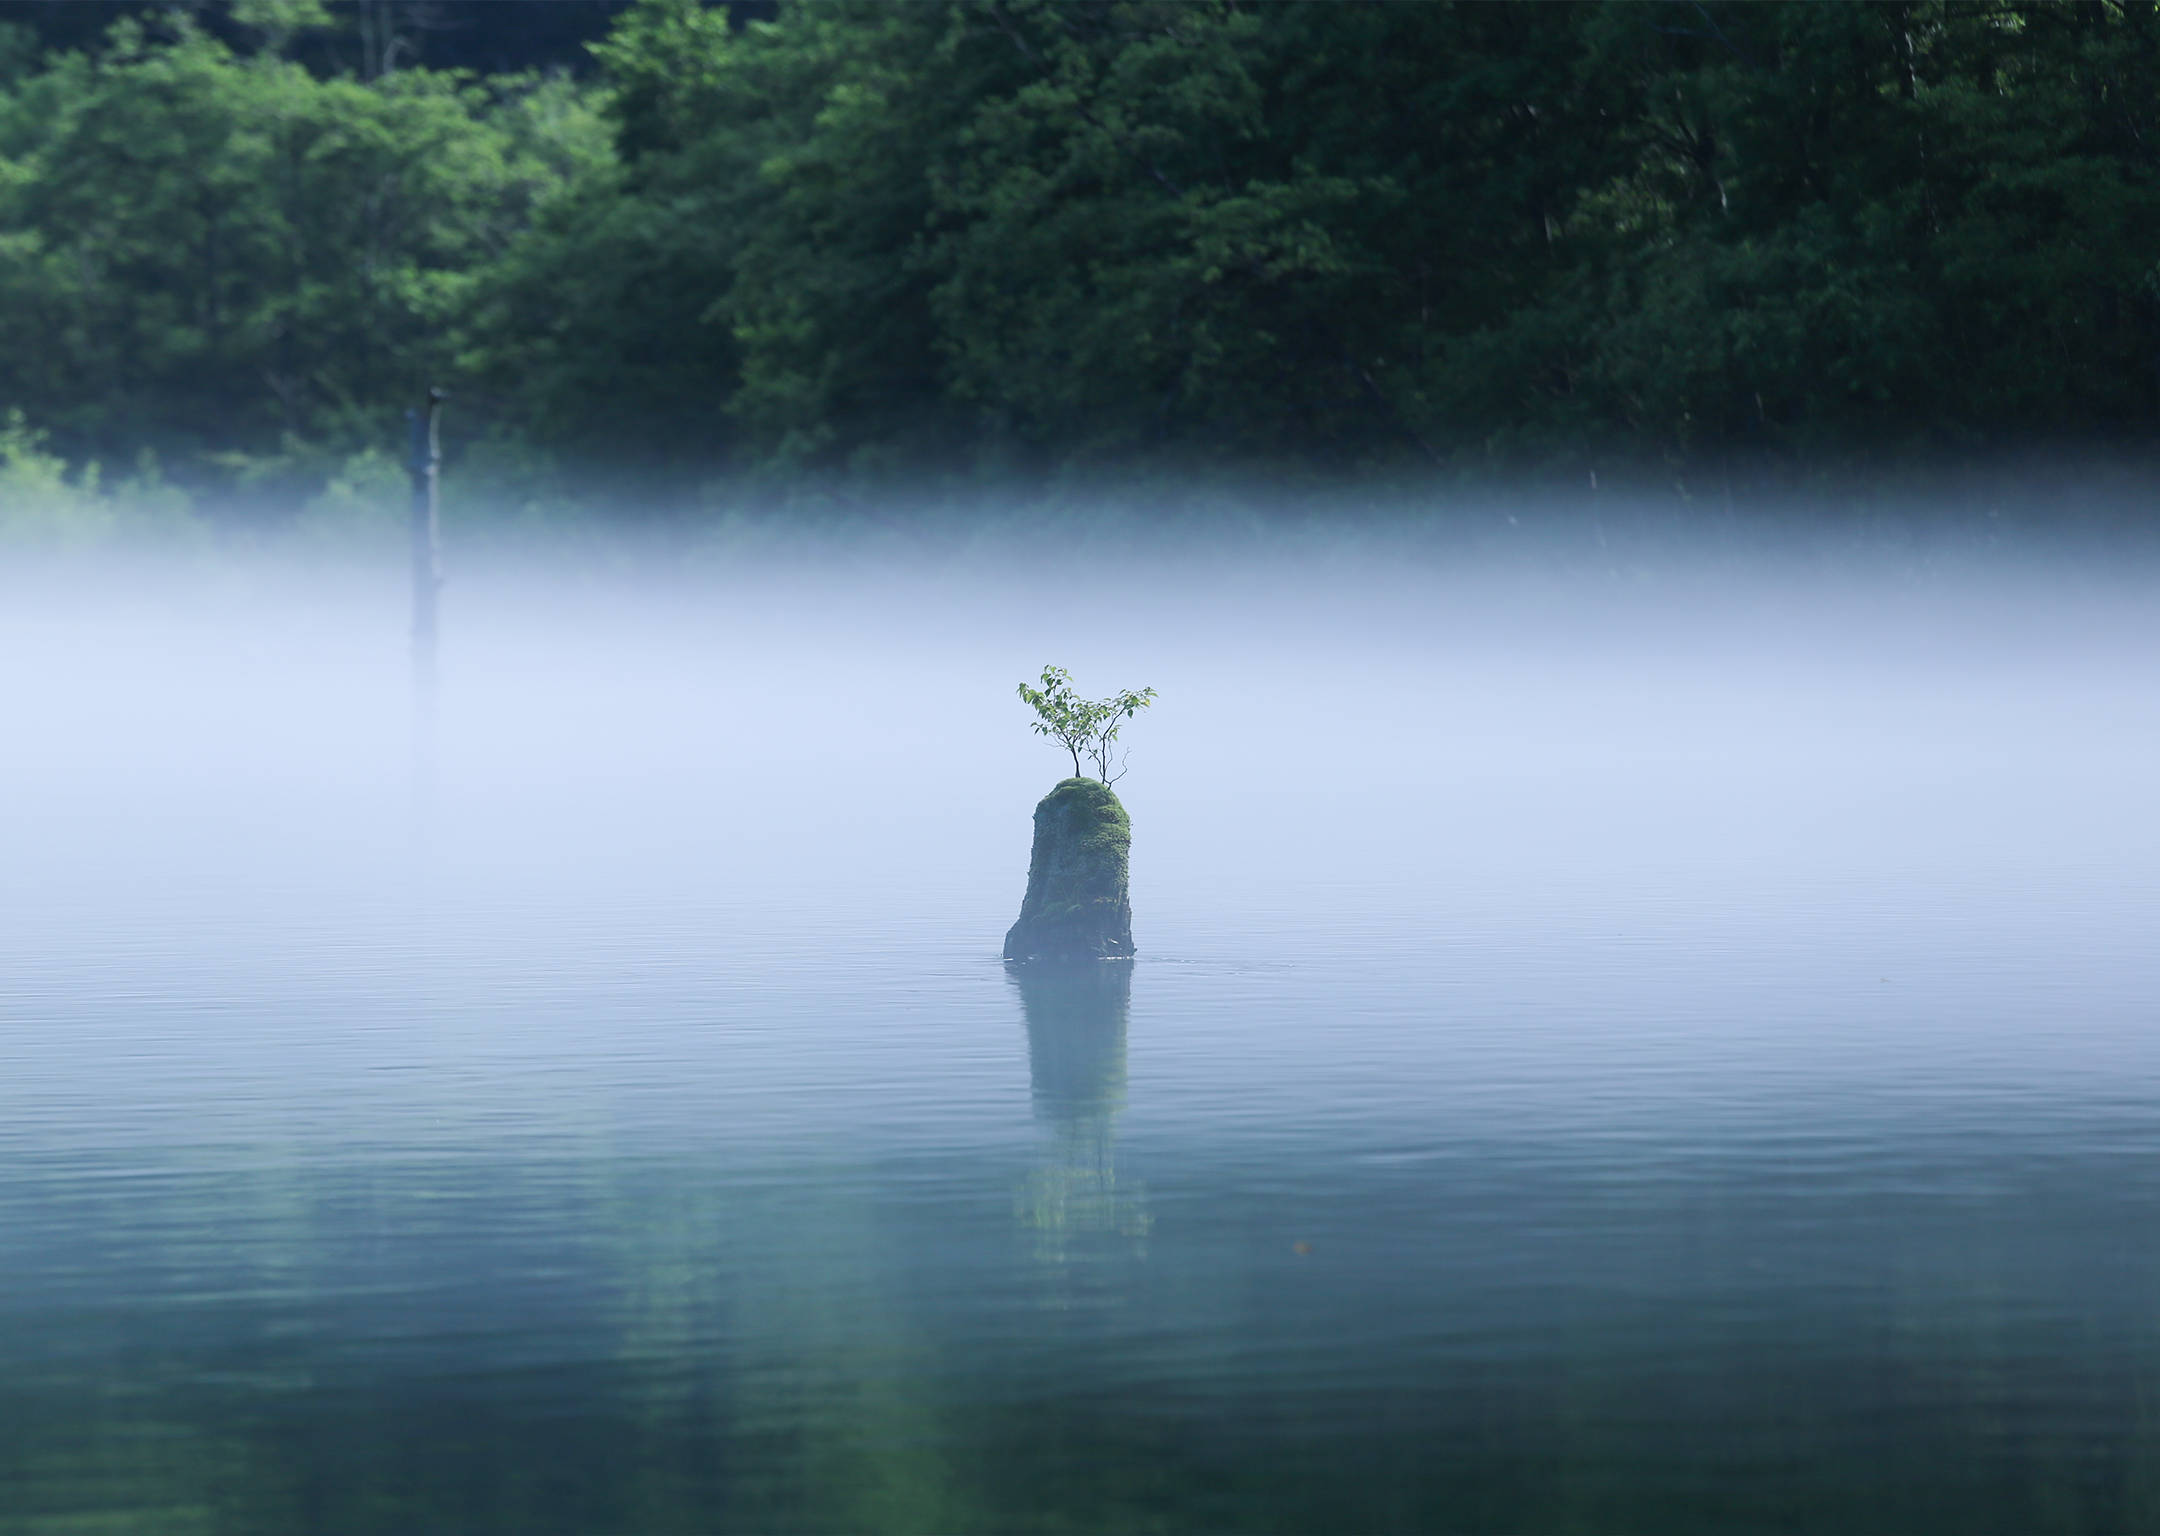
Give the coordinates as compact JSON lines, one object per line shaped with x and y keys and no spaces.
{"x":681,"y":246}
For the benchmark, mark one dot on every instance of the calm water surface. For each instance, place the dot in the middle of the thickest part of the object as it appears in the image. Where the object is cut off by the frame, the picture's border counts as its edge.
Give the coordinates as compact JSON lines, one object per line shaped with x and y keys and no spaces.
{"x":1606,"y":1056}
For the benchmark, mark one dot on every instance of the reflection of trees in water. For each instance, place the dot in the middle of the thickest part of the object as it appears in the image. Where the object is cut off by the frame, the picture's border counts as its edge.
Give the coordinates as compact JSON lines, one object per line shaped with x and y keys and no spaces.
{"x":1076,"y":1059}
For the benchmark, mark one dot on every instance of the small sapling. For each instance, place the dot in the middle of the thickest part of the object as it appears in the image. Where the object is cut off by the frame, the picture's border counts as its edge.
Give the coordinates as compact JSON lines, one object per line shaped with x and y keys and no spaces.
{"x":1086,"y":728}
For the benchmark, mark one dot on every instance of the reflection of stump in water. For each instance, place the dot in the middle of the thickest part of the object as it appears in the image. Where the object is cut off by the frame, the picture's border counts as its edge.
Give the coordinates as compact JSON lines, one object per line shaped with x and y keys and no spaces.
{"x":1076,"y":1060}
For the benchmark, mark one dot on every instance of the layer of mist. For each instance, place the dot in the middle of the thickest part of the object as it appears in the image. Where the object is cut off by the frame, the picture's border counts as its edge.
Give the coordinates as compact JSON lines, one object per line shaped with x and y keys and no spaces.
{"x":790,"y":766}
{"x":1611,"y":1007}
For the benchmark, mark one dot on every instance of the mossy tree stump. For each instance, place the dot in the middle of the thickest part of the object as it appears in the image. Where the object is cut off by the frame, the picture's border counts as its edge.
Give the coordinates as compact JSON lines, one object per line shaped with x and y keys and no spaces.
{"x":1077,"y":907}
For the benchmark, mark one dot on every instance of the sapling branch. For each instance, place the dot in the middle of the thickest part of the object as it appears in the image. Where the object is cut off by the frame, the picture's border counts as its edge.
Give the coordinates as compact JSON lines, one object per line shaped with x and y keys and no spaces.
{"x":1085,"y":728}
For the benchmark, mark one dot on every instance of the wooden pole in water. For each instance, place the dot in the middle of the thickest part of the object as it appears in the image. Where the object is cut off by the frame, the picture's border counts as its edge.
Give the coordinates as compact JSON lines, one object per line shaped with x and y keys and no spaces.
{"x":425,"y":466}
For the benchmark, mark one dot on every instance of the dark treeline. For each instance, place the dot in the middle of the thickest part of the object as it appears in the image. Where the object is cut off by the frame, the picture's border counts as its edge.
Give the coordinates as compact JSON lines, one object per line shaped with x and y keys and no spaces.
{"x":860,"y":242}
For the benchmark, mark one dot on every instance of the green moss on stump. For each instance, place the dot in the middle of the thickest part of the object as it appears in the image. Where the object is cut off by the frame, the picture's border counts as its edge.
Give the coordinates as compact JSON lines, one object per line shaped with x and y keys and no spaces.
{"x":1076,"y":906}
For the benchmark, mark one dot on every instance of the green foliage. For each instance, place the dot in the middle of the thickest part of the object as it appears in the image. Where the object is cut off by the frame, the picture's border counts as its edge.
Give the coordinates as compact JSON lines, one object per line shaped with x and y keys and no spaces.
{"x":365,"y":508}
{"x":1087,"y":728}
{"x":43,"y":507}
{"x":1354,"y":235}
{"x":221,"y":254}
{"x":977,"y":237}
{"x":38,"y":503}
{"x":276,"y":22}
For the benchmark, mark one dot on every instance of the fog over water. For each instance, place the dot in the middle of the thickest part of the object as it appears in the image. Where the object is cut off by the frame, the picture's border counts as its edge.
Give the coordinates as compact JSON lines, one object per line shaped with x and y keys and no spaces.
{"x":1616,"y":1042}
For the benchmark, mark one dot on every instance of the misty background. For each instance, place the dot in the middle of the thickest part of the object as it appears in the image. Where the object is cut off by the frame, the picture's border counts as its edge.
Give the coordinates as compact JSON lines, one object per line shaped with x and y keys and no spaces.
{"x":1394,"y":766}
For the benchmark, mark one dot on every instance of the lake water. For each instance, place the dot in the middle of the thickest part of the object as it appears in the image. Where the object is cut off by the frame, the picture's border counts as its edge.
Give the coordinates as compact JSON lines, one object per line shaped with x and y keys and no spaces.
{"x":1611,"y":1051}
